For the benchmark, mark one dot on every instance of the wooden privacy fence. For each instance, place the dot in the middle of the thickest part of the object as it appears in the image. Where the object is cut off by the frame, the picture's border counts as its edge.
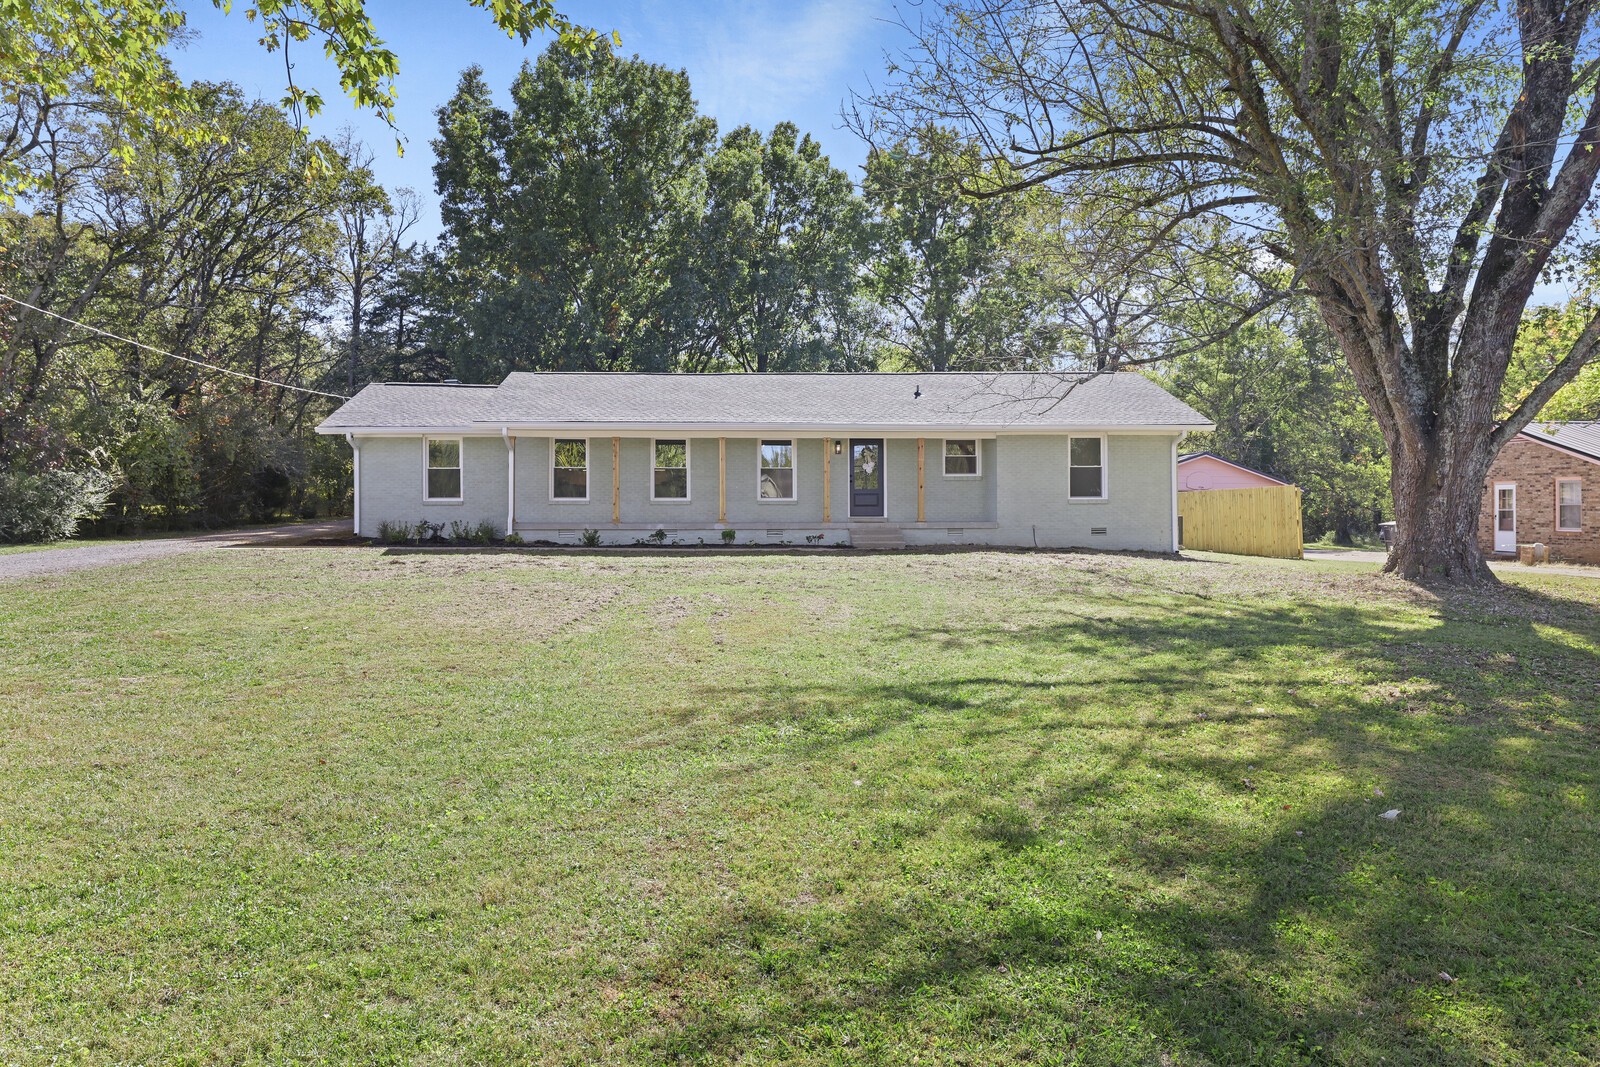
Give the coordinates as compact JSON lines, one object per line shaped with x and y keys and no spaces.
{"x":1250,"y":522}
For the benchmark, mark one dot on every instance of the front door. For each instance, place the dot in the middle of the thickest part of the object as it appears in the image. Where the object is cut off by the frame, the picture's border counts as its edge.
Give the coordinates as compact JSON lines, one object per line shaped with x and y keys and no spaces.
{"x":866,"y":479}
{"x":1505,"y":517}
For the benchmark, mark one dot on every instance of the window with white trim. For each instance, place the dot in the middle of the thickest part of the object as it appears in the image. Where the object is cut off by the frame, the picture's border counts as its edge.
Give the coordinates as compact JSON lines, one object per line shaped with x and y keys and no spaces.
{"x":442,"y":479}
{"x":670,"y":479}
{"x":1569,"y":505}
{"x":961,"y":459}
{"x":1086,"y":468}
{"x":569,"y":469}
{"x":775,"y":478}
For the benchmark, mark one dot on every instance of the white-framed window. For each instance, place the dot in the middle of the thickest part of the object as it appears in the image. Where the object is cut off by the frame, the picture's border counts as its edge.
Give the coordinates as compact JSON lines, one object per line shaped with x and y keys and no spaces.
{"x":1569,"y":505}
{"x":961,"y":458}
{"x":1086,"y":468}
{"x":775,"y":478}
{"x":569,"y":468}
{"x":441,"y":469}
{"x":670,"y":478}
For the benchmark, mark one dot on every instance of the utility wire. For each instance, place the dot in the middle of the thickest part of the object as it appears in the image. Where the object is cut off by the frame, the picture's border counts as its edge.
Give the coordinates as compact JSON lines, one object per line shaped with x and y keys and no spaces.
{"x":170,"y":355}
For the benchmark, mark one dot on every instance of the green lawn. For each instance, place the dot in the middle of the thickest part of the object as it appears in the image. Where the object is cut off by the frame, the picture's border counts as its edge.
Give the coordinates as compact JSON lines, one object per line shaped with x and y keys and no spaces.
{"x":980,"y":808}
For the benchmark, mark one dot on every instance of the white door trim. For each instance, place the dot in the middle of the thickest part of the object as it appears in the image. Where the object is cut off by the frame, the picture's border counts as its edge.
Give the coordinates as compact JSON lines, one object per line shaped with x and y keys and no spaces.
{"x":1505,"y":540}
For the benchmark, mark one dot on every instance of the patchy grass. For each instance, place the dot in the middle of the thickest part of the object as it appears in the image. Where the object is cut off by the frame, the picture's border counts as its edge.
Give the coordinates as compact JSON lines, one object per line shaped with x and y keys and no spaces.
{"x":983,"y":808}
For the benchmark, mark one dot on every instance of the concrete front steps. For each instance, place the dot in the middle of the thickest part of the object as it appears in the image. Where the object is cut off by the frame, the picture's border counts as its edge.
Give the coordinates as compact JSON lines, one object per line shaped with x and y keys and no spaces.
{"x":876,"y":535}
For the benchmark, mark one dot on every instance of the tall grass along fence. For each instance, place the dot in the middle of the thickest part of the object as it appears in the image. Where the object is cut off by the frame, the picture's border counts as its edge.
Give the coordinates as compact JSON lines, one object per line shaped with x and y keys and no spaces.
{"x":1250,"y":522}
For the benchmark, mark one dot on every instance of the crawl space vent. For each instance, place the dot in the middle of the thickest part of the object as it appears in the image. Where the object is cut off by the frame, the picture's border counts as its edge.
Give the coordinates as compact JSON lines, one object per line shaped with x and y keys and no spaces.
{"x":1097,"y":531}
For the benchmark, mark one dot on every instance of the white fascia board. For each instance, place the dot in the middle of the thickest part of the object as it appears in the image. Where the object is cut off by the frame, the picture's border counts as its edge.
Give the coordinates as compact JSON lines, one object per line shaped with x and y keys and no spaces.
{"x":667,"y":429}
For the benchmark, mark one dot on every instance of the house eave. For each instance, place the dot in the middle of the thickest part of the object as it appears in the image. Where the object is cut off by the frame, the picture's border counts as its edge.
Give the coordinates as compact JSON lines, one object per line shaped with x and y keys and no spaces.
{"x":589,"y":429}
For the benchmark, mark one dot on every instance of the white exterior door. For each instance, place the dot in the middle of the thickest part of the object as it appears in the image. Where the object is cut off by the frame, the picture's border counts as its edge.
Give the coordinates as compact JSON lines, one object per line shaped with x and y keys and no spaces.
{"x":1505,"y":517}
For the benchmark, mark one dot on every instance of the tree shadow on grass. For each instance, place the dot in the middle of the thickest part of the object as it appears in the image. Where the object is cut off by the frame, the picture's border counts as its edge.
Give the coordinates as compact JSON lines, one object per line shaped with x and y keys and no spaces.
{"x":1249,"y":905}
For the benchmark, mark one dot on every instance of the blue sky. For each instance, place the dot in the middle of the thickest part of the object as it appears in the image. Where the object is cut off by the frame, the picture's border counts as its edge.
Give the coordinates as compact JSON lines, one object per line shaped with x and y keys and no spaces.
{"x":749,"y":61}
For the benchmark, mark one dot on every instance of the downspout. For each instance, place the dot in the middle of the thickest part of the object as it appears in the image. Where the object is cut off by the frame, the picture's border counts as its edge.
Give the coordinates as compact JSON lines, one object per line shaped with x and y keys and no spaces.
{"x":355,"y":488}
{"x":1175,"y":545}
{"x":511,"y":479}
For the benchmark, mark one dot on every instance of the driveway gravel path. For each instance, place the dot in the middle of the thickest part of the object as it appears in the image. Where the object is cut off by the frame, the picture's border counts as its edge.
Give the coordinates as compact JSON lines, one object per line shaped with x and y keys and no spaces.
{"x":51,"y":561}
{"x":1502,"y":566}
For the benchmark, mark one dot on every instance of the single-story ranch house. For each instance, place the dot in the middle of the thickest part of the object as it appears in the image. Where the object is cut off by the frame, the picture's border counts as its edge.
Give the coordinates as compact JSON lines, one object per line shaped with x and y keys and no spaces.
{"x":1536,"y":489}
{"x":1025,"y":459}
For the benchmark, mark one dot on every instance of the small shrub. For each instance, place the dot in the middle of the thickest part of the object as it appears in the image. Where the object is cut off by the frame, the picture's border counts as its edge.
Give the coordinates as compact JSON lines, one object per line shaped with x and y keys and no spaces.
{"x":48,"y":505}
{"x":460,"y":531}
{"x":659,"y":537}
{"x":483,"y":533}
{"x":429,"y":531}
{"x":514,"y":539}
{"x":394,"y":533}
{"x":729,"y":536}
{"x":590,"y":539}
{"x":814,"y":539}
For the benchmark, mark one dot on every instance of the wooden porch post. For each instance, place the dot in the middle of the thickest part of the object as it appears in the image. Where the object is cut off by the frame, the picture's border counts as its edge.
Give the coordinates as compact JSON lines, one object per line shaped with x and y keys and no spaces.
{"x":722,"y":479}
{"x":827,"y":480}
{"x":922,"y":515}
{"x":616,"y":480}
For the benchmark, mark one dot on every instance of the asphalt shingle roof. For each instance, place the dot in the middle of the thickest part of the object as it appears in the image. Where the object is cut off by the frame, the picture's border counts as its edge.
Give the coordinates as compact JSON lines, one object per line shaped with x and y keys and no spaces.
{"x":1580,"y":437}
{"x":856,"y":402}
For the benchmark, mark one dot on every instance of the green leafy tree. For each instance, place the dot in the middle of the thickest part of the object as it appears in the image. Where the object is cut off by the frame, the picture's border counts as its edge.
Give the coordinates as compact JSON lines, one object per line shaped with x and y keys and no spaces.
{"x":1416,"y":167}
{"x":776,"y":254}
{"x":1547,"y":335}
{"x":952,"y":291}
{"x":1284,"y":401}
{"x":569,"y":218}
{"x":75,"y":53}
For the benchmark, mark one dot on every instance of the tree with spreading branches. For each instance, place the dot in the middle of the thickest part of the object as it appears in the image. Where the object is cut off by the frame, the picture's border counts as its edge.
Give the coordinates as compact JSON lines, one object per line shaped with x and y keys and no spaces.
{"x":1416,"y":168}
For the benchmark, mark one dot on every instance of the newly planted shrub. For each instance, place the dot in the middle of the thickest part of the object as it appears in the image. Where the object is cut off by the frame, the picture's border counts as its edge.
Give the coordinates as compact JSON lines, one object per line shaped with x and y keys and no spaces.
{"x":394,"y":533}
{"x":729,"y":536}
{"x":483,"y":533}
{"x":590,"y":539}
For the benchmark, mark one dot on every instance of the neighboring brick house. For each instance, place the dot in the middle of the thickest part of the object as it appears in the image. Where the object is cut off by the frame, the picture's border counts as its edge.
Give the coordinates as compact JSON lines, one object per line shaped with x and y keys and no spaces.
{"x":1545,"y":487}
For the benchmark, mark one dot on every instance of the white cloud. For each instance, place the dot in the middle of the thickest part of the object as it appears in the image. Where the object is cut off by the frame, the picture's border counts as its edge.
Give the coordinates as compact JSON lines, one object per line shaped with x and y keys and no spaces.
{"x":755,"y":61}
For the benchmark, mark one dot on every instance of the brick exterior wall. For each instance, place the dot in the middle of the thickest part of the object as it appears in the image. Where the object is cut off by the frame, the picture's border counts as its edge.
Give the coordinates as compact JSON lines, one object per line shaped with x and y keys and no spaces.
{"x":1533,"y":468}
{"x":1020,"y":497}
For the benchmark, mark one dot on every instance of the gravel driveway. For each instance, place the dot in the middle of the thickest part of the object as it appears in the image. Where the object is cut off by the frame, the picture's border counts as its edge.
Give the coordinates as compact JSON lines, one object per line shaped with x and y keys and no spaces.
{"x":1504,"y":566}
{"x":52,"y":561}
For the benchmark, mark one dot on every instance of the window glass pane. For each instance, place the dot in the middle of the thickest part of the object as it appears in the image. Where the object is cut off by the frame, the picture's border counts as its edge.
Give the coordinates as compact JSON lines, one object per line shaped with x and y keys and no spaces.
{"x":777,"y":454}
{"x":777,"y":484}
{"x":571,"y":483}
{"x":1569,"y":496}
{"x":672,"y":483}
{"x":1086,"y":451}
{"x":672,"y":453}
{"x":961,"y":457}
{"x":864,"y":466}
{"x":1084,"y":481}
{"x":444,"y":484}
{"x":571,"y":453}
{"x":444,"y":453}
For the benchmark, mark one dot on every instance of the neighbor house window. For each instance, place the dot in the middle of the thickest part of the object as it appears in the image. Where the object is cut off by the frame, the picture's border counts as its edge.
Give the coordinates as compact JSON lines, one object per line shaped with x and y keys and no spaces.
{"x":1086,"y":468}
{"x":671,"y":479}
{"x":776,"y":477}
{"x":1569,"y":505}
{"x":961,"y":459}
{"x":569,"y":472}
{"x":444,"y":468}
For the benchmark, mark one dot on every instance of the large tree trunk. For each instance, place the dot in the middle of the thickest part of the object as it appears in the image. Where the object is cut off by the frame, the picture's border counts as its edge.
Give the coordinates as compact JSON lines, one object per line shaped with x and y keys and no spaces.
{"x":1438,"y":491}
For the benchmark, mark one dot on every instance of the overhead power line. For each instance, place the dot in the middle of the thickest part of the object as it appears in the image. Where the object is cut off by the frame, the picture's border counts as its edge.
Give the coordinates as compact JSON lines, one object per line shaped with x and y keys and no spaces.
{"x":171,"y":355}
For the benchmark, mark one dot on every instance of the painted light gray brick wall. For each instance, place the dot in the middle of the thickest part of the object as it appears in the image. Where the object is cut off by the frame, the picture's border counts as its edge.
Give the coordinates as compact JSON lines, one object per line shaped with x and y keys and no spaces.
{"x":392,"y":472}
{"x":956,"y":499}
{"x":534,"y":503}
{"x":1032,"y":494}
{"x":746,"y":508}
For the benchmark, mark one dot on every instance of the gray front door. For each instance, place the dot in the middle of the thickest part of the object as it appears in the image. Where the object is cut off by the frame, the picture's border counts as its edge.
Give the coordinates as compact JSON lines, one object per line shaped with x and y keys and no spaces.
{"x":866,"y":479}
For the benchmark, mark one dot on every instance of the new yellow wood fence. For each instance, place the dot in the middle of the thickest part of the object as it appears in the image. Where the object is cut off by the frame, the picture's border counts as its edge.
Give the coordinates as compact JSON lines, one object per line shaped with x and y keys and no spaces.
{"x":1250,"y":522}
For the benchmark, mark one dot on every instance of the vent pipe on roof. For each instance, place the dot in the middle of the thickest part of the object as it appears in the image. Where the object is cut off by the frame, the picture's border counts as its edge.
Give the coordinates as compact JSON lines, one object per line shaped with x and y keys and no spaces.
{"x":452,"y":381}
